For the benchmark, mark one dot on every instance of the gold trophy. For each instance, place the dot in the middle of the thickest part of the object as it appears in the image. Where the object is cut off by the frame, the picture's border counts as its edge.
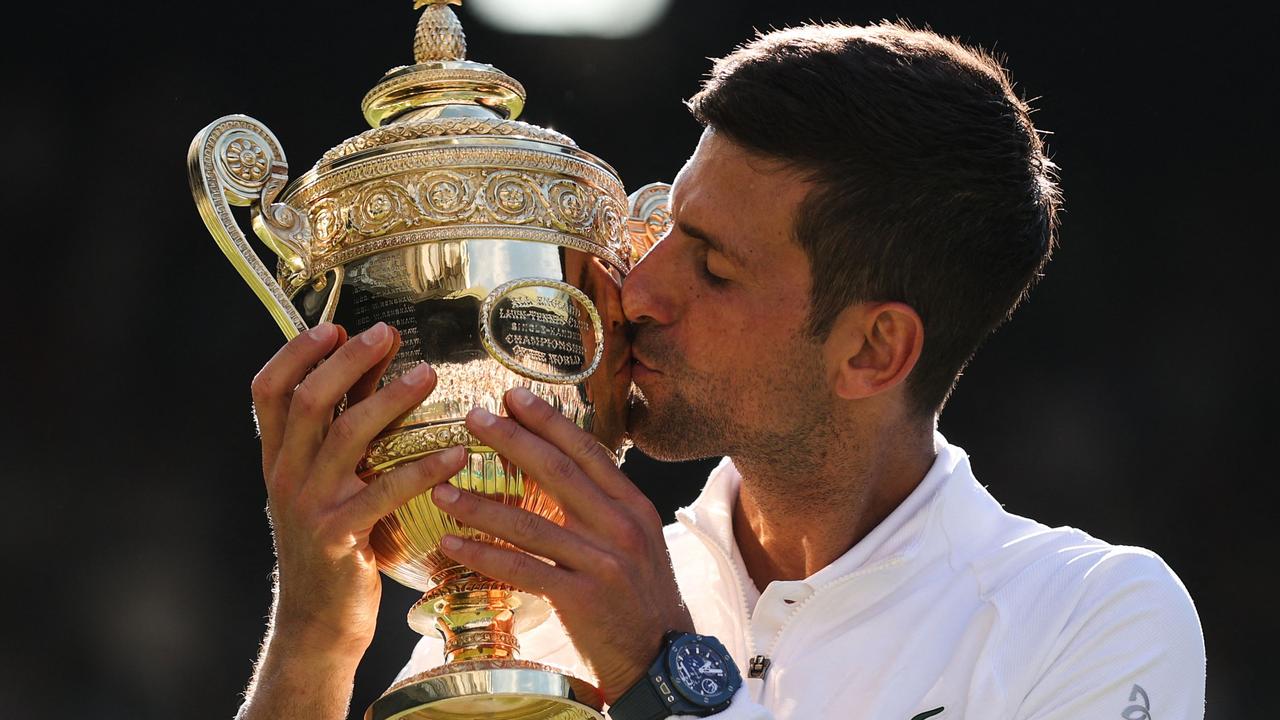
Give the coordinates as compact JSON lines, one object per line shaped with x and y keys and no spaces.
{"x":497,"y":249}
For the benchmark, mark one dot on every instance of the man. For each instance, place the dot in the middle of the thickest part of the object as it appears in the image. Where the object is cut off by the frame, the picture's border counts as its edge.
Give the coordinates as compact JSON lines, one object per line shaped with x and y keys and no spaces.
{"x":865,"y":206}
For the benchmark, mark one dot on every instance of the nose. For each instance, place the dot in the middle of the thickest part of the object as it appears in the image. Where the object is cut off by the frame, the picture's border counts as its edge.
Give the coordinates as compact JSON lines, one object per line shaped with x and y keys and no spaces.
{"x":646,"y":291}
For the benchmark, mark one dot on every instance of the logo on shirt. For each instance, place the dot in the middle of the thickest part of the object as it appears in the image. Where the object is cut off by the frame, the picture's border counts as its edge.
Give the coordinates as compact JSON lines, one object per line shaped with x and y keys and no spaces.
{"x":928,"y":714}
{"x":1135,"y":711}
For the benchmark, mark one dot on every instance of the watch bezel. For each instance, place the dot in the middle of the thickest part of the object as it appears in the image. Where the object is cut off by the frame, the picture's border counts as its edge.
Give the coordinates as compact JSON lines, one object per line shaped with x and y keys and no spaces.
{"x":732,"y":680}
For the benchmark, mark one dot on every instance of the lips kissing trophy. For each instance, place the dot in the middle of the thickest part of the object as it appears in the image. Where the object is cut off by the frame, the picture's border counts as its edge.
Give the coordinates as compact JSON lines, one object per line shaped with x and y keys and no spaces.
{"x":497,"y":249}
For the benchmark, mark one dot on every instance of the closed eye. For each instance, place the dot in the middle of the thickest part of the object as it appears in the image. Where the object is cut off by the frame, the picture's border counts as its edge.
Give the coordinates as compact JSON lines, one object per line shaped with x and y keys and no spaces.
{"x":710,"y":275}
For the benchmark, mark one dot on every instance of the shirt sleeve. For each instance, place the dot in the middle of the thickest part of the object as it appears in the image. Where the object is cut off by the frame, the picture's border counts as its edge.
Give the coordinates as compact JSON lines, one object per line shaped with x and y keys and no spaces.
{"x":1132,"y":649}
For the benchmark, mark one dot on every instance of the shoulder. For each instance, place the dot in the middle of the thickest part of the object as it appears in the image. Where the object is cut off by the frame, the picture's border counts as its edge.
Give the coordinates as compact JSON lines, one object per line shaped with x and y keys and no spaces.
{"x":1070,"y":574}
{"x":1016,"y":561}
{"x":1121,"y":633}
{"x":1074,"y":620}
{"x":1080,"y":624}
{"x":1088,"y":580}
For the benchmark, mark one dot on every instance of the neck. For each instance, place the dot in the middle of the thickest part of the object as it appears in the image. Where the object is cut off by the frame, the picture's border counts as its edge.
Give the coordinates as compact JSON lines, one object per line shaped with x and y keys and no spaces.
{"x":793,"y":519}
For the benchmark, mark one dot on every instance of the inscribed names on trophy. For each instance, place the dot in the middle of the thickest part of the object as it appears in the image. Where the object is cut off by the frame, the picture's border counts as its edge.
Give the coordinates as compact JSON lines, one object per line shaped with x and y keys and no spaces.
{"x":413,"y":291}
{"x":543,"y":329}
{"x":395,"y":309}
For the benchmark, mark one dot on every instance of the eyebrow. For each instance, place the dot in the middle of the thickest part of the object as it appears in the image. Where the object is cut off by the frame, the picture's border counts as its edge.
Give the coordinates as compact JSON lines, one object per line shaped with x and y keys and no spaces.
{"x":703,"y":236}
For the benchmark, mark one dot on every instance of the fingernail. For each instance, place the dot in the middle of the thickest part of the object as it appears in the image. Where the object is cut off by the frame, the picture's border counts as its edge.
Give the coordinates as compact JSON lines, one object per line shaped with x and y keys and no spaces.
{"x":481,"y":417}
{"x":321,"y":333}
{"x":418,"y":376}
{"x":449,"y":542}
{"x":445,"y":494}
{"x":375,"y":334}
{"x":453,"y":455}
{"x":522,"y":397}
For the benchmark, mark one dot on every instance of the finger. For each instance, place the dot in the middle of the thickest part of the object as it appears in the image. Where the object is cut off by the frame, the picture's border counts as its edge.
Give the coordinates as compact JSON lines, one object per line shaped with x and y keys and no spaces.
{"x":390,"y":490}
{"x":522,"y":570}
{"x":528,"y":531}
{"x":579,"y":445}
{"x":311,"y":408}
{"x":556,"y":472}
{"x":368,"y":383}
{"x":353,"y":430}
{"x":273,"y":386}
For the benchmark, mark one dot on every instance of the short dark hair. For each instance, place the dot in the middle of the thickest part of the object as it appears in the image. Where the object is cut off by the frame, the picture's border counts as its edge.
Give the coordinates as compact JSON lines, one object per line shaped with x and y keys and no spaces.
{"x":931,"y":185}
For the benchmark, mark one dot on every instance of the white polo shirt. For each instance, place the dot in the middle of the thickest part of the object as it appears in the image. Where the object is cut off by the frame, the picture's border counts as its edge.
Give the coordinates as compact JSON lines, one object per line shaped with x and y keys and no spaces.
{"x":950,"y":608}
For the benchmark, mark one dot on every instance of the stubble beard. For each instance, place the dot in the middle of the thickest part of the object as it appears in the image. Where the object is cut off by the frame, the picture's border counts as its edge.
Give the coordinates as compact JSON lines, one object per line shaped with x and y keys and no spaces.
{"x":694,"y":416}
{"x":679,"y":431}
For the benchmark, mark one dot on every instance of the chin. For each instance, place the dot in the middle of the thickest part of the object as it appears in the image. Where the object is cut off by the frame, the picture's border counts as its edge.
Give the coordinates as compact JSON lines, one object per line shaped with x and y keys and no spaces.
{"x":671,"y":434}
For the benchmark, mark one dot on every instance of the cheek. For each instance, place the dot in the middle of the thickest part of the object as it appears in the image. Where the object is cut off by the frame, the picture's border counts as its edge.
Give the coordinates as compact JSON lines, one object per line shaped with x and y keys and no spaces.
{"x":720,"y":338}
{"x":738,"y":345}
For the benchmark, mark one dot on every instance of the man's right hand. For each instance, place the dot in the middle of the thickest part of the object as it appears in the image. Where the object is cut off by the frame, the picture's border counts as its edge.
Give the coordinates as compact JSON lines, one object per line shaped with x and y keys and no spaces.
{"x":322,"y":512}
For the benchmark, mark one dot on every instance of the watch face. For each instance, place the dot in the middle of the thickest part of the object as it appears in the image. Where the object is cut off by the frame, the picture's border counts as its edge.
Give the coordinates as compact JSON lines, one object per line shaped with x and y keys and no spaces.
{"x":702,"y":673}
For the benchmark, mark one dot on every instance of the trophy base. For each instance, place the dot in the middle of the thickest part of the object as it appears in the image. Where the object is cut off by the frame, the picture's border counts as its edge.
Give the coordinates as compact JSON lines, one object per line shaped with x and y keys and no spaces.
{"x":494,"y":689}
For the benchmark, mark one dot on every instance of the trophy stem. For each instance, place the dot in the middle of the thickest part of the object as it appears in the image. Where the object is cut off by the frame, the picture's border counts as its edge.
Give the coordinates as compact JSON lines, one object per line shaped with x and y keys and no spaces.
{"x":473,"y":614}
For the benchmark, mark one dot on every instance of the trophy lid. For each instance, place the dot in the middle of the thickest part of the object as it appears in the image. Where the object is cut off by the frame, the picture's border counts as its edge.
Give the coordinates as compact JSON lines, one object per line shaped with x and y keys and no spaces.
{"x":442,"y":85}
{"x":442,"y":80}
{"x":446,"y":160}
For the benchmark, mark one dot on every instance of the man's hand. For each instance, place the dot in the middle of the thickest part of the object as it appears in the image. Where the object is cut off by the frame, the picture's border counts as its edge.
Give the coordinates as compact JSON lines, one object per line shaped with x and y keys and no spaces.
{"x":612,"y":583}
{"x":322,"y":512}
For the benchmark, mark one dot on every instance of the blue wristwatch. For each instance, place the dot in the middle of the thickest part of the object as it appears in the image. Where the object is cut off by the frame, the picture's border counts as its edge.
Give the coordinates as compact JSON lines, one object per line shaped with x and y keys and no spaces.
{"x":692,"y":675}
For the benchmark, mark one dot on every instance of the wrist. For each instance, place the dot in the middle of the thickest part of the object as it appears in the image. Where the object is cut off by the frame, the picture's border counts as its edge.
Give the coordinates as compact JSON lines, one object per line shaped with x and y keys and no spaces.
{"x":294,"y":681}
{"x":613,"y":685}
{"x":691,"y":675}
{"x":305,"y":640}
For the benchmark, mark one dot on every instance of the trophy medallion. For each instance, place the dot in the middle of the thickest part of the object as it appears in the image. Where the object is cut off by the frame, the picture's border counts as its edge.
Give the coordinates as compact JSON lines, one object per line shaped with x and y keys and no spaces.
{"x":497,"y":249}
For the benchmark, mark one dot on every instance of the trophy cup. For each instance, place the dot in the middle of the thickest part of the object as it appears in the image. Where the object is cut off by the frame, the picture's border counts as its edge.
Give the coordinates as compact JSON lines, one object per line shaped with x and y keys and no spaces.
{"x":497,"y":249}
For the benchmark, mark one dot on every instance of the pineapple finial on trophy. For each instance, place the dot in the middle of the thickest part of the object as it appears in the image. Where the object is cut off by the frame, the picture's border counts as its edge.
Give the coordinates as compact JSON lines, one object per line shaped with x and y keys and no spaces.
{"x":442,"y":82}
{"x":439,"y":36}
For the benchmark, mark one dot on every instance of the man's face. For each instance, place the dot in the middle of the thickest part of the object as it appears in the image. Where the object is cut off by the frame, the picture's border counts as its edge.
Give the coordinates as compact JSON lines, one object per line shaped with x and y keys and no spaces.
{"x":723,"y":363}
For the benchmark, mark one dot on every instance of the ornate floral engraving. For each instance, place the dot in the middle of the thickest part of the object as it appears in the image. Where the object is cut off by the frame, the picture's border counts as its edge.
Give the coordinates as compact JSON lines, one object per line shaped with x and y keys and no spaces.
{"x":326,"y":224}
{"x":571,"y":202}
{"x":442,"y":127}
{"x":611,"y":215}
{"x":412,"y":443}
{"x":459,"y":192}
{"x":380,"y":206}
{"x":513,"y":197}
{"x":473,"y":638}
{"x":245,"y":159}
{"x":447,"y":195}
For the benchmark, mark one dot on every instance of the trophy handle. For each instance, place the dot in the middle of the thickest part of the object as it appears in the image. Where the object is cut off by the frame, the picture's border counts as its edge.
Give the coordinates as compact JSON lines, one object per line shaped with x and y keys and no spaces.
{"x":236,"y":160}
{"x":649,"y":218}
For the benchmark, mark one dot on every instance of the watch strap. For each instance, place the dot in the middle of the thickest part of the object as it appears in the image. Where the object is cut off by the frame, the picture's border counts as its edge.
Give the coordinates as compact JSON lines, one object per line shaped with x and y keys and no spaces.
{"x":640,"y":702}
{"x":654,"y":695}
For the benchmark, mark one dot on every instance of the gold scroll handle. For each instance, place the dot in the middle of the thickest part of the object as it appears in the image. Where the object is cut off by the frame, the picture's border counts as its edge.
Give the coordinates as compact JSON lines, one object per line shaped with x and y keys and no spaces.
{"x":649,"y":218}
{"x":236,"y":160}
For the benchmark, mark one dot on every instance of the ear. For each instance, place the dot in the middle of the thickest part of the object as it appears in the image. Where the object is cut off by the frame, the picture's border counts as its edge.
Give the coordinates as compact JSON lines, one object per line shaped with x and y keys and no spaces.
{"x":872,"y":348}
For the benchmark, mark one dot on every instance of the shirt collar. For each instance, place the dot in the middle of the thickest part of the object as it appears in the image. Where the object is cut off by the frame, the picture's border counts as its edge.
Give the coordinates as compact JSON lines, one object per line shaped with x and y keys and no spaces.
{"x":898,"y":537}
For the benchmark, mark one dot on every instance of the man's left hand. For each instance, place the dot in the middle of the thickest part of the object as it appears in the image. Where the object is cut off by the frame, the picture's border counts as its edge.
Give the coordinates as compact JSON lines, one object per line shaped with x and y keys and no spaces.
{"x":612,"y":583}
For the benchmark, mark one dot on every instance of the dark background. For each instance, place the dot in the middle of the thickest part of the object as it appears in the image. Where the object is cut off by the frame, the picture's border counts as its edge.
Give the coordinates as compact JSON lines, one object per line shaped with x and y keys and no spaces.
{"x":1132,"y":397}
